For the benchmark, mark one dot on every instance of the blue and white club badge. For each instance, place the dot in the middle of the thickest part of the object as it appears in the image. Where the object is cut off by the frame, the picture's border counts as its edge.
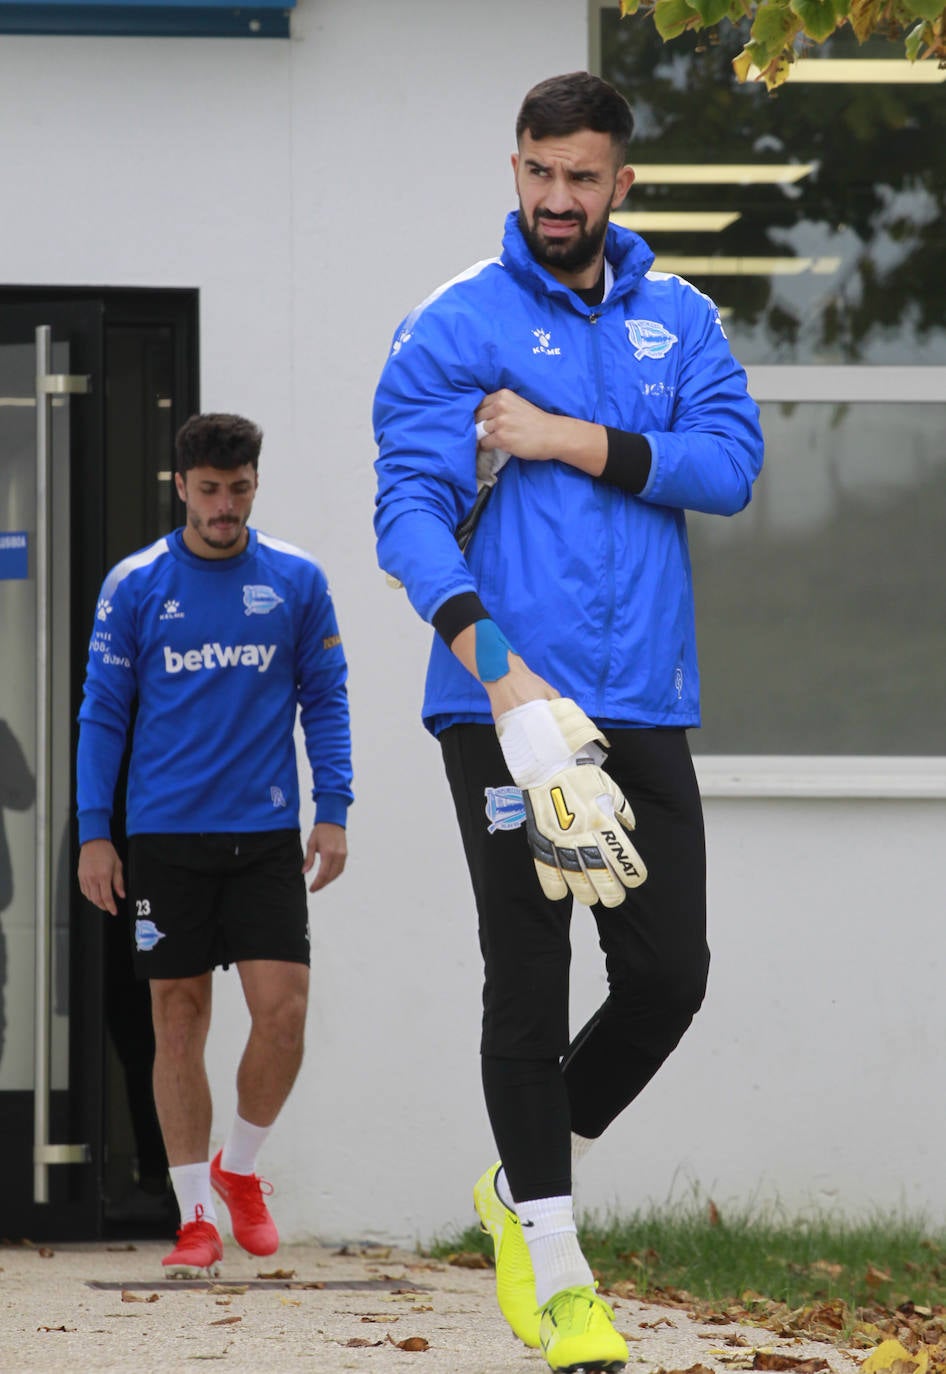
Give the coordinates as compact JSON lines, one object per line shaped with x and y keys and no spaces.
{"x":147,"y":935}
{"x":260,"y":600}
{"x":650,"y":339}
{"x":505,"y":808}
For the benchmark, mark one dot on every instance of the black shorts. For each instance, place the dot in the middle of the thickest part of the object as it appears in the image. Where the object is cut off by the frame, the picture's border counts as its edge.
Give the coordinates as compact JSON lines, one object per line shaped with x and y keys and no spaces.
{"x":199,"y":901}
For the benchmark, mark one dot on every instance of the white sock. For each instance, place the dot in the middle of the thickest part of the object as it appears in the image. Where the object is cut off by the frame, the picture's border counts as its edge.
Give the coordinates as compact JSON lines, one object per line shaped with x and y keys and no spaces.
{"x":191,"y":1184}
{"x":242,"y":1146}
{"x":548,"y":1225}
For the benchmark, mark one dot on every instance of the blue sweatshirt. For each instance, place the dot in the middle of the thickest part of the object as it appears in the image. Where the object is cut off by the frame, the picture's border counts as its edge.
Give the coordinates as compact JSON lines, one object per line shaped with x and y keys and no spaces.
{"x":589,"y":583}
{"x":219,"y":653}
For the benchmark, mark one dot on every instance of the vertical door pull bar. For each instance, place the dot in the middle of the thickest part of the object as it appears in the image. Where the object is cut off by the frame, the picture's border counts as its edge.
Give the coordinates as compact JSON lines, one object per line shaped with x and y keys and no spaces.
{"x":48,"y":384}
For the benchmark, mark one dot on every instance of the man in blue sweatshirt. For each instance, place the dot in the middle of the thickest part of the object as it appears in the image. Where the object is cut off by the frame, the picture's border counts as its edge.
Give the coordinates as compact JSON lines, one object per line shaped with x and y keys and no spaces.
{"x":579,"y":403}
{"x":215,"y":636}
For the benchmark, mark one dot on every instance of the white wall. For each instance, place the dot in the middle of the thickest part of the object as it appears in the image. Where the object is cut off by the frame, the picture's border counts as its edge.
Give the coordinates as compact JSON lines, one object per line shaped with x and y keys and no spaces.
{"x":313,"y":190}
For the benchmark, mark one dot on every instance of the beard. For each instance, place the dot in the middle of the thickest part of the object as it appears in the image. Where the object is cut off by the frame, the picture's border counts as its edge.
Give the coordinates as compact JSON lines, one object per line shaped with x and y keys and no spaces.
{"x":219,"y":535}
{"x":574,"y":256}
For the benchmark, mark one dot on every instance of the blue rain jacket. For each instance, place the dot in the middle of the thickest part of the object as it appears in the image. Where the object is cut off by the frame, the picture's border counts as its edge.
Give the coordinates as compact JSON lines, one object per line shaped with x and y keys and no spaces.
{"x":590,"y":584}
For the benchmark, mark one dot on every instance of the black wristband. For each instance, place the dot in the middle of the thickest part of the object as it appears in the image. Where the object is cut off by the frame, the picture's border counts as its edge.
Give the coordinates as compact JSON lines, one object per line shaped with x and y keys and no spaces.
{"x":628,"y":462}
{"x":456,"y":613}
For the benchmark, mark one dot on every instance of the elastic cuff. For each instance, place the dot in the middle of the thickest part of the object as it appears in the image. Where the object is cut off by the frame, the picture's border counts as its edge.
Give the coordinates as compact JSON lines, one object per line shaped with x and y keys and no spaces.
{"x":628,"y":462}
{"x":456,"y":613}
{"x":332,"y":808}
{"x":94,"y":825}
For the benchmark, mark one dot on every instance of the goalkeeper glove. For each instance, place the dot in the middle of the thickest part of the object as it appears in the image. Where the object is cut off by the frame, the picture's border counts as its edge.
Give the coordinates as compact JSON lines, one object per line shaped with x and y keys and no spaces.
{"x":577,"y":818}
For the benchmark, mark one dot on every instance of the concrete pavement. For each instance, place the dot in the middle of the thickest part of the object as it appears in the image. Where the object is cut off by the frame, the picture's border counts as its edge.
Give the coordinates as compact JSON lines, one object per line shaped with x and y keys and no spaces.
{"x":91,"y":1307}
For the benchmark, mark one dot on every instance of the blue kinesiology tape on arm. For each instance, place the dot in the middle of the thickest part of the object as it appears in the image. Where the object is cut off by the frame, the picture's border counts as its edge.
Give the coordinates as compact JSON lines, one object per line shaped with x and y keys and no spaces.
{"x":492,"y":651}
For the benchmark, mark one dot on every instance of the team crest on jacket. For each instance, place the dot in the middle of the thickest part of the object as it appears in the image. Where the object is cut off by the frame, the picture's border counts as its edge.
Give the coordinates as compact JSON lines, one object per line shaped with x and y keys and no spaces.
{"x":650,"y":340}
{"x":505,"y":808}
{"x":260,"y":600}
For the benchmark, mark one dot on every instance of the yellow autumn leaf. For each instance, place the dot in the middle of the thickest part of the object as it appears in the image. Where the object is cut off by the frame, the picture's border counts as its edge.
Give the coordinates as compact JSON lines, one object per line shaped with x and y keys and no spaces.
{"x":890,"y":1353}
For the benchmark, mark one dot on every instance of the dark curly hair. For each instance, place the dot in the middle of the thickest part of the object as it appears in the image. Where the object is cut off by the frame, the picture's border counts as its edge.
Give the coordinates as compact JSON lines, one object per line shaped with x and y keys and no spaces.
{"x":217,"y":441}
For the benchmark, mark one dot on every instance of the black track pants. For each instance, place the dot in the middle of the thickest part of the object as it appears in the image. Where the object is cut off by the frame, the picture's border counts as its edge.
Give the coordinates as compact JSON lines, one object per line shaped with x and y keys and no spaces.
{"x":539,"y":1085}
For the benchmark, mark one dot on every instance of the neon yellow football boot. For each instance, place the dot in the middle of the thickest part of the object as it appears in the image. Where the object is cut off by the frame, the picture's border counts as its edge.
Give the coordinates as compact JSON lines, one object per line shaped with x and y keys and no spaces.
{"x":515,"y":1281}
{"x":576,"y":1330}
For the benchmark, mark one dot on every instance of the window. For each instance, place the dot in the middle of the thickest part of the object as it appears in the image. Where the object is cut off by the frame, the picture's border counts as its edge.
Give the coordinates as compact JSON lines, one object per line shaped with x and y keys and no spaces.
{"x":815,"y":218}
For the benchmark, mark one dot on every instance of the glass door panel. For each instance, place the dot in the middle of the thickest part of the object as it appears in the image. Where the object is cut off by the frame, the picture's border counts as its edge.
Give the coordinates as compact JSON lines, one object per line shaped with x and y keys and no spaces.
{"x":46,"y":1129}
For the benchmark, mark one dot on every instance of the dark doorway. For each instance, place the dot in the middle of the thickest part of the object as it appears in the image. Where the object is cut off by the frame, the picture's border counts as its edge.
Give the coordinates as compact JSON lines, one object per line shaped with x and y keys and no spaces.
{"x":75,"y":1042}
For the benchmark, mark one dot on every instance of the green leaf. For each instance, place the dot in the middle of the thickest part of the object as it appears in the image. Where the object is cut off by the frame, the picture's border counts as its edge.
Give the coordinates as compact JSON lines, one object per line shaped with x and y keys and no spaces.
{"x":711,"y":12}
{"x":926,"y":9}
{"x":775,"y":25}
{"x":672,"y":17}
{"x":817,"y":16}
{"x":916,"y":40}
{"x":629,"y":7}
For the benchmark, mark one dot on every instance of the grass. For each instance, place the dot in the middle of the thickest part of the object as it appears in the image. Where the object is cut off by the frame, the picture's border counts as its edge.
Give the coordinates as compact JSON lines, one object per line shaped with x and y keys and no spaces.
{"x":852,"y":1277}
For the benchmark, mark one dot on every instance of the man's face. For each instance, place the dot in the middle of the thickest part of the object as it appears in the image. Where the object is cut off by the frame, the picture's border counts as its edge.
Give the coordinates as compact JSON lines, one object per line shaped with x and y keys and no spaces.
{"x":567,"y":188}
{"x":218,"y":502}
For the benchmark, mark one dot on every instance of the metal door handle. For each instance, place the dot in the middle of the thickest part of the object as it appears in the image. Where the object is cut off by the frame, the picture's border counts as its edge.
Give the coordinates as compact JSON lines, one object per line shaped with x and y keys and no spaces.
{"x":48,"y":384}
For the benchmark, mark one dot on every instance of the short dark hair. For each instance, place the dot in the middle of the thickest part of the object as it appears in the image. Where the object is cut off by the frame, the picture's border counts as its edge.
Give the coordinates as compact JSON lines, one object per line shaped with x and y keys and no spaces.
{"x":217,"y":441}
{"x":566,"y":104}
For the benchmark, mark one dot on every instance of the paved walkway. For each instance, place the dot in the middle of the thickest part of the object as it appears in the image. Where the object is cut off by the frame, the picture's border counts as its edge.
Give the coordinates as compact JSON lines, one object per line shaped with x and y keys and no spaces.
{"x":86,"y":1308}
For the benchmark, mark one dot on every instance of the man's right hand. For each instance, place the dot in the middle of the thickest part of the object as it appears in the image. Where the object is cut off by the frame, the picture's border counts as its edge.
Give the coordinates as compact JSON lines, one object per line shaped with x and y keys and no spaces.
{"x":577,"y":818}
{"x":101,"y":876}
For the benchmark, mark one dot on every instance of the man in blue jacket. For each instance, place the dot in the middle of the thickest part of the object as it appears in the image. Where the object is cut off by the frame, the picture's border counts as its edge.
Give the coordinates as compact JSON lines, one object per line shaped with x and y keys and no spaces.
{"x":563,"y":674}
{"x":216,"y":634}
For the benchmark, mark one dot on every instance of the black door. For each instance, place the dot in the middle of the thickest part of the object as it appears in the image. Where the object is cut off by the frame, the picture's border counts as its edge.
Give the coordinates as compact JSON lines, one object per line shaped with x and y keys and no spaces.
{"x":92,"y":388}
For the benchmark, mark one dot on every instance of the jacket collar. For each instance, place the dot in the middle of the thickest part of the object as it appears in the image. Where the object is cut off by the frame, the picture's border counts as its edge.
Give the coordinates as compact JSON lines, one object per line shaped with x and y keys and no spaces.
{"x":629,"y":256}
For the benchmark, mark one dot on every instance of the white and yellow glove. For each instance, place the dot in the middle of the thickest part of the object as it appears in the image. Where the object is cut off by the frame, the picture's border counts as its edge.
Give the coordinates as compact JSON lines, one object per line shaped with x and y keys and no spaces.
{"x":577,"y":818}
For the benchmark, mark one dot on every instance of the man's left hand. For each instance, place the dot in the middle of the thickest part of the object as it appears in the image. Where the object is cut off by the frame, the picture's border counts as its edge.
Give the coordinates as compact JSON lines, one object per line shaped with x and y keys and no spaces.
{"x":510,"y":424}
{"x":330,"y":843}
{"x":517,"y":426}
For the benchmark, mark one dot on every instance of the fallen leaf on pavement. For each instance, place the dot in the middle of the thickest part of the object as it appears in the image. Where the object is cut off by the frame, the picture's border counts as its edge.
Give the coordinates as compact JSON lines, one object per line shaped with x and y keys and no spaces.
{"x":891,"y":1355}
{"x":769,"y":1359}
{"x":469,"y":1259}
{"x":692,"y":1369}
{"x":411,"y":1343}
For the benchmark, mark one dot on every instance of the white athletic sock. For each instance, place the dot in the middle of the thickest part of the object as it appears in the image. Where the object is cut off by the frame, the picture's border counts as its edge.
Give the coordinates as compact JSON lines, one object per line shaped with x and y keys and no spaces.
{"x":191,"y":1184}
{"x":548,"y":1225}
{"x":242,"y":1146}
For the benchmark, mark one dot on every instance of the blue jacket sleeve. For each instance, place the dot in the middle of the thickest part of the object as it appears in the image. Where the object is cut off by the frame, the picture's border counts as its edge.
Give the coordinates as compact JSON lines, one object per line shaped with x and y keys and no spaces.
{"x":426,"y":465}
{"x":713,"y":452}
{"x":323,"y":699}
{"x":110,"y":691}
